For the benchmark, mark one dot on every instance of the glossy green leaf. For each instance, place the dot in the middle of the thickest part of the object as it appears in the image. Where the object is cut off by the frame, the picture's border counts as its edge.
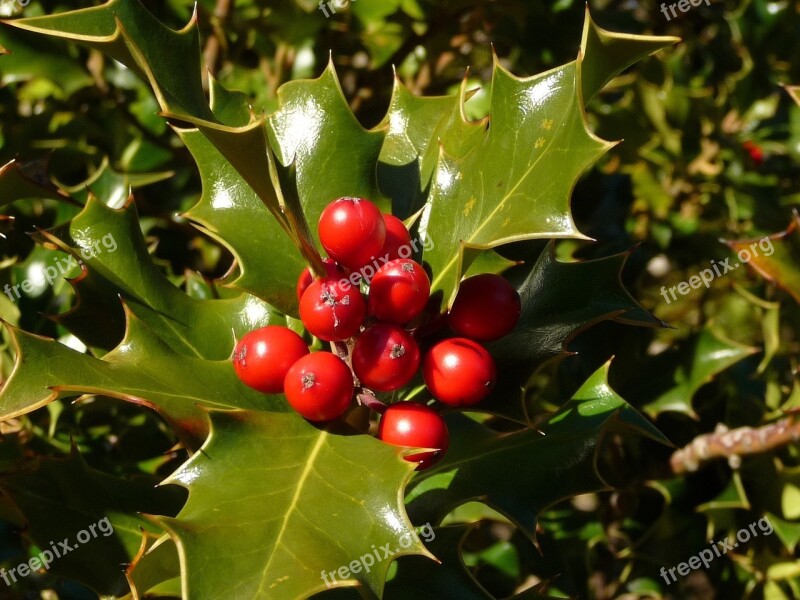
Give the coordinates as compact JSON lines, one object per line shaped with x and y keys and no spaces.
{"x":142,"y":369}
{"x":415,"y":129}
{"x":515,"y":184}
{"x":560,"y":299}
{"x":682,"y":373}
{"x":315,"y":132}
{"x":521,"y":473}
{"x":266,"y":487}
{"x":129,"y":33}
{"x":110,"y":243}
{"x":112,"y":187}
{"x":268,"y":262}
{"x":155,"y":570}
{"x":34,"y":56}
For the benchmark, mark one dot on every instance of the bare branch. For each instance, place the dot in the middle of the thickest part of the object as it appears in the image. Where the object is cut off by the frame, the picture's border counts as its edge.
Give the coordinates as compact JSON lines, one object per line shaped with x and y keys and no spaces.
{"x":733,"y":444}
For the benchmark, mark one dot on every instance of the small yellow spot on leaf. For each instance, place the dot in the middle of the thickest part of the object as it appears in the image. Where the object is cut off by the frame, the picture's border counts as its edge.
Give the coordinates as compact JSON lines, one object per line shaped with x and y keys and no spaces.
{"x":547,"y":123}
{"x":468,"y":207}
{"x":539,"y":142}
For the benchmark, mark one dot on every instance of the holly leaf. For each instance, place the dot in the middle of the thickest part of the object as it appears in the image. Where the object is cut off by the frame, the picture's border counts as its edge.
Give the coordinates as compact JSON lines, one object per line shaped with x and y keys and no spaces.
{"x":232,"y":213}
{"x":780,"y":265}
{"x":519,"y":474}
{"x":112,"y":187}
{"x":60,"y":499}
{"x":515,"y":184}
{"x":559,"y":300}
{"x":16,"y":185}
{"x":415,"y":129}
{"x":281,"y":483}
{"x":34,"y":56}
{"x":170,"y":61}
{"x":110,"y":244}
{"x":310,"y":129}
{"x":155,"y":570}
{"x":673,"y":377}
{"x":126,"y":31}
{"x":143,"y":369}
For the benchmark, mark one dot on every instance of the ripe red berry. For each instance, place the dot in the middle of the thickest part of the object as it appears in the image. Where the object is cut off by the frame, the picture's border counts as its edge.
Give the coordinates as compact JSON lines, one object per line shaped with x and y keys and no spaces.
{"x":385,"y":357}
{"x":398,"y":241}
{"x":332,"y":310}
{"x":319,"y":386}
{"x":352,"y":231}
{"x":399,"y":291}
{"x":415,"y":425}
{"x":459,"y":372}
{"x":263,"y":356}
{"x":486,"y":307}
{"x":305,"y":278}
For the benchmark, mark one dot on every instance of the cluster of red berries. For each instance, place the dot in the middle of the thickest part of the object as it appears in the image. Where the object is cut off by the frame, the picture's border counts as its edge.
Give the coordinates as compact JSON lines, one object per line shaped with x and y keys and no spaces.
{"x":376,"y":339}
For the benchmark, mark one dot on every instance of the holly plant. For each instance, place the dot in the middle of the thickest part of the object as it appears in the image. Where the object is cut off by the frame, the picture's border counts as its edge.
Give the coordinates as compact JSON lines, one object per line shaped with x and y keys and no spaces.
{"x":363,"y":370}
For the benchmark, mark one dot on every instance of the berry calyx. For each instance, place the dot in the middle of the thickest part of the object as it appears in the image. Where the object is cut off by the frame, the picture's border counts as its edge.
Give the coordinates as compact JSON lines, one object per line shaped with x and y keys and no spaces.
{"x":263,"y":356}
{"x":459,"y":372}
{"x":352,"y":231}
{"x":332,"y":309}
{"x":319,"y":386}
{"x":399,"y":291}
{"x":415,"y":425}
{"x":486,"y":307}
{"x":305,"y":279}
{"x":398,"y":241}
{"x":385,"y":357}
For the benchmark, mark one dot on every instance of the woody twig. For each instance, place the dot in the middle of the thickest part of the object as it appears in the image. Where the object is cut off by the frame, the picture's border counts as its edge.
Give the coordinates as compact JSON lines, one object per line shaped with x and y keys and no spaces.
{"x":732,"y":444}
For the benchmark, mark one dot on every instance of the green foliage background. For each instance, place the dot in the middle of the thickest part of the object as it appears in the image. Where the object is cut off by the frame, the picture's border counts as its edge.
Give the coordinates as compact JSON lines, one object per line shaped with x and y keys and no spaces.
{"x":657,"y":206}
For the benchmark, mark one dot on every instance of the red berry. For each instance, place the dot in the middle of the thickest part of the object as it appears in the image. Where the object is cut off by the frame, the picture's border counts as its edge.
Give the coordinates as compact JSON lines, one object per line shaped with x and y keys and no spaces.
{"x":263,"y":356}
{"x":352,"y":231}
{"x":305,"y":278}
{"x":385,"y":357}
{"x":459,"y":372}
{"x":399,"y":291}
{"x":332,"y":309}
{"x":397,"y":237}
{"x":418,"y":426}
{"x":486,"y":307}
{"x":754,"y":151}
{"x":319,"y":386}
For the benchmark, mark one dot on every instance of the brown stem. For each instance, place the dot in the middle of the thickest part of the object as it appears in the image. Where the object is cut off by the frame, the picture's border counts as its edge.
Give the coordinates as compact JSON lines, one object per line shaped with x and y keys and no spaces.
{"x":213,"y":45}
{"x":368,"y":399}
{"x":734,"y":443}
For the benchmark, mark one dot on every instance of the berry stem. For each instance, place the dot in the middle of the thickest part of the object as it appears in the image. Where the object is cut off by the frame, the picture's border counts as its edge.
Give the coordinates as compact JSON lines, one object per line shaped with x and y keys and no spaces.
{"x":368,"y":399}
{"x":340,"y":349}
